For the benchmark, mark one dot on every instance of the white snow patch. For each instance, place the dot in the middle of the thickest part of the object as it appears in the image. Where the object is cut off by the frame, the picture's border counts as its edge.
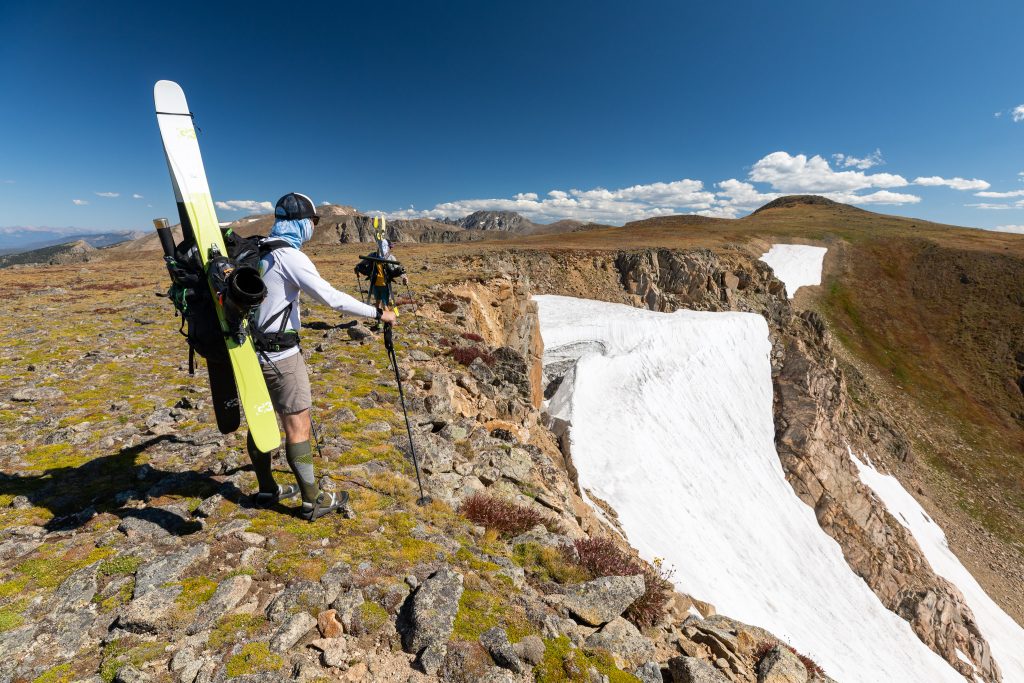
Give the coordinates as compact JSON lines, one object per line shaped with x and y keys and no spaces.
{"x":797,"y":265}
{"x":671,"y":424}
{"x":1004,"y":635}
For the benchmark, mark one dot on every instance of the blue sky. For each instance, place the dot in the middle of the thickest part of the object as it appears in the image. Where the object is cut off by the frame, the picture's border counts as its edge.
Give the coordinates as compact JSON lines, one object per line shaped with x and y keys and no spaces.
{"x":592,"y":110}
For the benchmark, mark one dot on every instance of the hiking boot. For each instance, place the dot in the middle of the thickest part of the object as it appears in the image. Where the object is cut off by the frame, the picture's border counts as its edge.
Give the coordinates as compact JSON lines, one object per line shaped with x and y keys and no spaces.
{"x":265,"y":499}
{"x":326,"y":503}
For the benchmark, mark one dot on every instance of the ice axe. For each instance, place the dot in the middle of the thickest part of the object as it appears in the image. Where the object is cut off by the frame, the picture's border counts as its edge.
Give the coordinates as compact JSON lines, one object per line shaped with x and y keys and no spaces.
{"x":389,"y":344}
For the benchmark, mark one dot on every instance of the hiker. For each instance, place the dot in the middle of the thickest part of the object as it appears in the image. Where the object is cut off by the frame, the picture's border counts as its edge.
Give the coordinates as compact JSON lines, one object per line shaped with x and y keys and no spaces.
{"x":380,"y":269}
{"x":287,"y":272}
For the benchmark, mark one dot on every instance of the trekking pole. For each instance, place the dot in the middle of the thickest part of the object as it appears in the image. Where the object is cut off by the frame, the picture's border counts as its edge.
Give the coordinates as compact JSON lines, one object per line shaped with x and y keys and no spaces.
{"x":316,"y":434}
{"x":390,"y":346}
{"x":359,"y":284}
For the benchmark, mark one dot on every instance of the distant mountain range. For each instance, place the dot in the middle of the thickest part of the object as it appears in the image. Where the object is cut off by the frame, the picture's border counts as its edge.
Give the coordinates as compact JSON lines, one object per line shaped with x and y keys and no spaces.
{"x":17,"y":239}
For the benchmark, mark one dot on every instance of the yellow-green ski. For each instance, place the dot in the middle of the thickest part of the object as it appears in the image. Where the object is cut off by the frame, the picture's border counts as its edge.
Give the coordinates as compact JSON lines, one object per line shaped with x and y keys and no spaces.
{"x":195,"y":208}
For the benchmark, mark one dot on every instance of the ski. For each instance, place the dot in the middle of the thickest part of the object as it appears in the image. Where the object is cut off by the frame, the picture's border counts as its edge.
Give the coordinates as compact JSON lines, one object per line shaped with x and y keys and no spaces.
{"x":226,"y":406}
{"x":196,"y":210}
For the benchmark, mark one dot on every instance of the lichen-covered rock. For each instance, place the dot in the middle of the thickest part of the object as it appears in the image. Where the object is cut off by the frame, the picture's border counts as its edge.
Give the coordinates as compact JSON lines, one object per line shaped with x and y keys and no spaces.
{"x":77,"y":590}
{"x":150,"y":612}
{"x":649,"y":673}
{"x":693,"y":670}
{"x":168,"y":568}
{"x":292,"y":631}
{"x":599,"y":601}
{"x":622,"y":639}
{"x":781,"y":666}
{"x":301,"y":595}
{"x":429,"y":616}
{"x":227,"y":596}
{"x":496,"y":642}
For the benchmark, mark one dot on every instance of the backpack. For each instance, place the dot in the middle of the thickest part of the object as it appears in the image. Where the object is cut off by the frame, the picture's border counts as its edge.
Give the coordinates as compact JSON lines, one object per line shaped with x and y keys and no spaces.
{"x":193,"y":300}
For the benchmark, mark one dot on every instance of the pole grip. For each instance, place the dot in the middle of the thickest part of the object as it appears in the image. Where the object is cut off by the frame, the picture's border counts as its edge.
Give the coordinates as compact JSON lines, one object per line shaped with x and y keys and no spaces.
{"x":163,"y":231}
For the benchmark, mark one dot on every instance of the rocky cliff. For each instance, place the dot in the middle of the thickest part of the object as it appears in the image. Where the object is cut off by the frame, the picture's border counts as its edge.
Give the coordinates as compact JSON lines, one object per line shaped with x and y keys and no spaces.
{"x":815,"y":421}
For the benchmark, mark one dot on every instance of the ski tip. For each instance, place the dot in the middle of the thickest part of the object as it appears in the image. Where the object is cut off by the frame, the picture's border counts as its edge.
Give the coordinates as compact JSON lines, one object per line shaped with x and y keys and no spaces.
{"x":169,"y":98}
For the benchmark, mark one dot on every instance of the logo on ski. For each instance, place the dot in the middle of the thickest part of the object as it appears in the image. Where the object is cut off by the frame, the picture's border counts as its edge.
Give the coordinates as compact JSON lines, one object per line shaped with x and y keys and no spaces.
{"x":265,"y":408}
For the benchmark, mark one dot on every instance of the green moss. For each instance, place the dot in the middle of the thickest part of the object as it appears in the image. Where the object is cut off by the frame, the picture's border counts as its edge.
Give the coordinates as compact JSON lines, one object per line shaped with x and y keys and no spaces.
{"x":11,"y":615}
{"x":50,"y":570}
{"x":563,"y":663}
{"x":12,"y":587}
{"x":548,"y":564}
{"x":253,"y":658}
{"x":468,"y":559}
{"x":234,"y":628}
{"x":125,"y":651}
{"x":122,"y":597}
{"x":372,"y":616}
{"x":124,"y":564}
{"x":195,"y":592}
{"x":55,"y":456}
{"x":480,"y":610}
{"x":57,"y":674}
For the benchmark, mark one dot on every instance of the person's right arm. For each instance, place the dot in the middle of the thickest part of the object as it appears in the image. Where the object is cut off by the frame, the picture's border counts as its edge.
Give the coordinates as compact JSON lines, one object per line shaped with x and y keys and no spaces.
{"x":308,"y":279}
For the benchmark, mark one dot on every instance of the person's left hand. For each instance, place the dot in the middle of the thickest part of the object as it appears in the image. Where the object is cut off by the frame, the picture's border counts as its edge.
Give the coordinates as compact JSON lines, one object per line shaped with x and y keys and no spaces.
{"x":405,"y":280}
{"x":388,"y":317}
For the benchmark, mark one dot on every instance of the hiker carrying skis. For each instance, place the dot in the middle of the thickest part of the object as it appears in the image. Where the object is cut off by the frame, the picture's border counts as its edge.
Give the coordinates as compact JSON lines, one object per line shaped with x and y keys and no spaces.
{"x":381,"y":269}
{"x":287,"y":272}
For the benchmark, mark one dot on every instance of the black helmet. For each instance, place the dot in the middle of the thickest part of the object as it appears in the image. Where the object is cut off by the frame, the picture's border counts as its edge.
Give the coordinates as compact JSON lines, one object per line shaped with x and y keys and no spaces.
{"x":294,"y":206}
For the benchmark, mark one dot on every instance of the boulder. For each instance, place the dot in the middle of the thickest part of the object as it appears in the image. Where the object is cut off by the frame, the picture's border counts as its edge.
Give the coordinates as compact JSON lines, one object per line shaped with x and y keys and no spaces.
{"x":168,"y":568}
{"x":150,"y":612}
{"x":496,"y":642}
{"x":227,"y":596}
{"x":29,"y":394}
{"x":299,"y":596}
{"x":530,"y":649}
{"x":599,"y":601}
{"x":649,"y":673}
{"x":77,"y":590}
{"x":292,"y":631}
{"x":428,"y":617}
{"x":693,"y":670}
{"x":622,"y":638}
{"x":781,"y":666}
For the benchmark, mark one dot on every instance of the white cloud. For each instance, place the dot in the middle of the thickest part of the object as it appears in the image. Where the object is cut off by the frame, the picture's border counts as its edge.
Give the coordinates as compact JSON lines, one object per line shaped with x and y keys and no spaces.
{"x":798,"y":174}
{"x":109,"y":195}
{"x":6,"y":182}
{"x":136,"y":196}
{"x":1000,"y":195}
{"x":1018,"y":113}
{"x":250,"y":205}
{"x":740,"y":196}
{"x":955,"y":183}
{"x":994,"y":207}
{"x":879,"y":197}
{"x":1018,"y":229}
{"x":614,"y":206}
{"x":79,"y":202}
{"x":998,"y":114}
{"x":863,"y":164}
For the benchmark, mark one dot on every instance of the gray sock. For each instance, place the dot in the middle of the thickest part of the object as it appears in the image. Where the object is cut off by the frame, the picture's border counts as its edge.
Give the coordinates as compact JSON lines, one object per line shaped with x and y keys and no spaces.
{"x":261,"y":465}
{"x":300,"y":459}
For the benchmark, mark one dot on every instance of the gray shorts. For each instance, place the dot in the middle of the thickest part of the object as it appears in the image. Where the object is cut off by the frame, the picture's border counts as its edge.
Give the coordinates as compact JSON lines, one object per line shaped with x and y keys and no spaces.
{"x":289,"y":390}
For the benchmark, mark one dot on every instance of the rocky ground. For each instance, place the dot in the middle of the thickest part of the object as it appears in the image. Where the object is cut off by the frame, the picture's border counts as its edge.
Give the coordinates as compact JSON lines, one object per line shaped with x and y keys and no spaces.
{"x":131,"y":551}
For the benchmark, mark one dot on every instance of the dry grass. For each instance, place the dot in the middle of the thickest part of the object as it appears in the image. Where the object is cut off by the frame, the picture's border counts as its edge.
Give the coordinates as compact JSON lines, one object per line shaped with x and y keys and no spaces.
{"x":504,"y":516}
{"x":600,"y":556}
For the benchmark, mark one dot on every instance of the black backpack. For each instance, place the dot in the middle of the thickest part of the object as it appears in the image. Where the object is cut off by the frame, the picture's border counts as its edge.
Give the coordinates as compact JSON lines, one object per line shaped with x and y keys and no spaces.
{"x":190,"y":293}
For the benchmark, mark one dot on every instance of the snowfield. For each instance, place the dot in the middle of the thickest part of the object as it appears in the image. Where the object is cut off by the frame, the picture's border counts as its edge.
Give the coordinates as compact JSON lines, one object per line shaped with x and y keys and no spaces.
{"x":797,"y":265}
{"x":671,"y":424}
{"x":1004,"y":635}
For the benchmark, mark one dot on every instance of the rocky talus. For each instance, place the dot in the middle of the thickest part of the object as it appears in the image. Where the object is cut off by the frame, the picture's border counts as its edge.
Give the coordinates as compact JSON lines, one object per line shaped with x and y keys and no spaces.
{"x":131,"y":549}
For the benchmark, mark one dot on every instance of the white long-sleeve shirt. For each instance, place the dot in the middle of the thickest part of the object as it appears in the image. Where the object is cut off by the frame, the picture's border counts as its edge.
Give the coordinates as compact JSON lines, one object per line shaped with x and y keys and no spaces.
{"x":287,"y":272}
